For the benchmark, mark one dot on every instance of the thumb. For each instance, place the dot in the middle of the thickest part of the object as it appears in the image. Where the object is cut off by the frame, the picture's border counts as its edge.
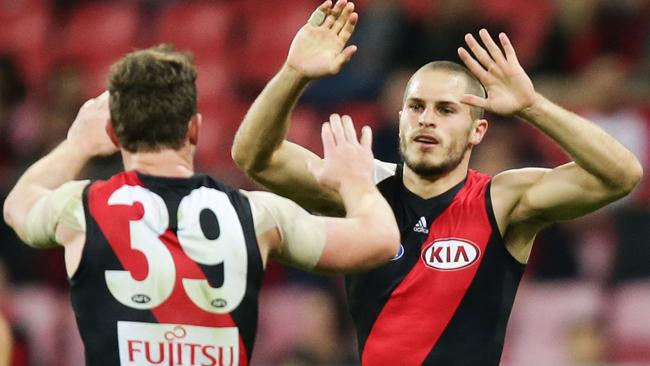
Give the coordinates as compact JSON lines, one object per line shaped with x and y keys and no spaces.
{"x":345,"y":55}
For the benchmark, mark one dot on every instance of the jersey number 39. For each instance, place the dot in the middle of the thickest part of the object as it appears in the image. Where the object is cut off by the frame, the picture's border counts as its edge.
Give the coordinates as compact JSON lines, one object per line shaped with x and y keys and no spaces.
{"x":228,"y":249}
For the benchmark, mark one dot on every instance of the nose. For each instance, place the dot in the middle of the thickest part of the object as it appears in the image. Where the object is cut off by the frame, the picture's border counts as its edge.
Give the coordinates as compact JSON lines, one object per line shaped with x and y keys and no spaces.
{"x":426,"y":118}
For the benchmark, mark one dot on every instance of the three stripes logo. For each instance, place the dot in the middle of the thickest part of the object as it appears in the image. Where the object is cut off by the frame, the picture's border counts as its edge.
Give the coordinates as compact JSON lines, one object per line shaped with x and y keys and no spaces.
{"x":421,"y":226}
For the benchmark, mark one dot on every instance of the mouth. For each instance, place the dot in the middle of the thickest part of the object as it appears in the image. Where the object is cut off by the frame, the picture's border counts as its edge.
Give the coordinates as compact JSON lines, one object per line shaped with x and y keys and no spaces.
{"x":426,"y":140}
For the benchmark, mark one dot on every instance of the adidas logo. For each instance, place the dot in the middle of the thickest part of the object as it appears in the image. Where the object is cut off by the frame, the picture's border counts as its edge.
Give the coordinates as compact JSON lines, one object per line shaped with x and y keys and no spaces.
{"x":421,"y":226}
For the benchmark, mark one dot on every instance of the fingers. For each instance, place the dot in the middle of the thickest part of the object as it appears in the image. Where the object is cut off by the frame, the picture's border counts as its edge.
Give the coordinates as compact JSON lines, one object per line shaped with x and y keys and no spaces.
{"x":334,"y":13}
{"x":479,"y":52}
{"x":328,"y":138}
{"x":348,"y":29}
{"x":337,"y":128}
{"x":318,"y":16}
{"x":511,"y":56}
{"x":474,"y":101}
{"x":348,"y":129}
{"x":366,"y":137}
{"x":343,"y":18}
{"x":473,"y":65}
{"x":495,"y":51}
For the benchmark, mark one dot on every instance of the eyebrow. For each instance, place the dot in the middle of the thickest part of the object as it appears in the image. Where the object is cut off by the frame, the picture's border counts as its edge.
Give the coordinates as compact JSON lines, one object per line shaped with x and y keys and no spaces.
{"x":437,"y":102}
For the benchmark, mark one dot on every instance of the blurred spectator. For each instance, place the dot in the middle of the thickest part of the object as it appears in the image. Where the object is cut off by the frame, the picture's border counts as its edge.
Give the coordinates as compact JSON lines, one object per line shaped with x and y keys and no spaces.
{"x":586,"y":342}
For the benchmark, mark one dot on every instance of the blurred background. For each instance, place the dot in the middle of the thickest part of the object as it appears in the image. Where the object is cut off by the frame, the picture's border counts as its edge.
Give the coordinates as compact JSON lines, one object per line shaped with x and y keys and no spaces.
{"x":585,"y":298}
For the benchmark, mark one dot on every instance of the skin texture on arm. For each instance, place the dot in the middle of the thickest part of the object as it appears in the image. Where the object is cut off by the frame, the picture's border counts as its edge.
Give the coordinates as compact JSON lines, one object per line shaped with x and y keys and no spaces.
{"x":366,"y":237}
{"x":526,"y":200}
{"x":260,"y":148}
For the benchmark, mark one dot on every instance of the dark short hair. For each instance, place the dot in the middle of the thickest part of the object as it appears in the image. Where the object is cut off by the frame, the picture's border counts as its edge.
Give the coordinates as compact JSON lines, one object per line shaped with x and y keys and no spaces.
{"x":474,"y":86}
{"x":152,"y":98}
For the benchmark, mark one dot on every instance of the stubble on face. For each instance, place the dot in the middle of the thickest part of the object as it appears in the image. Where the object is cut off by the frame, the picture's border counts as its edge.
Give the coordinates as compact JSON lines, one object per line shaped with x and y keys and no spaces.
{"x":422,"y":166}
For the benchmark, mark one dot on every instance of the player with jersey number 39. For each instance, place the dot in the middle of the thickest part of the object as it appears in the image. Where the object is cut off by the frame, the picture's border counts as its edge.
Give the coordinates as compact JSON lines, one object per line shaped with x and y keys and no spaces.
{"x":446,"y":299}
{"x":165,"y":264}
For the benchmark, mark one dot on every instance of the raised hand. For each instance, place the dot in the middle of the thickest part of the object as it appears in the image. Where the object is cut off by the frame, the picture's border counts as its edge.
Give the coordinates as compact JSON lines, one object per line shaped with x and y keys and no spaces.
{"x":319,"y":50}
{"x":88,"y":131}
{"x":509,"y":89}
{"x":346,"y":159}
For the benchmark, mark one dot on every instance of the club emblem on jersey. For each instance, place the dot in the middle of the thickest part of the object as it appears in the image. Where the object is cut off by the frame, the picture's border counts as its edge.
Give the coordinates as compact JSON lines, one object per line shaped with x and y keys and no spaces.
{"x":450,"y":254}
{"x":421,"y":226}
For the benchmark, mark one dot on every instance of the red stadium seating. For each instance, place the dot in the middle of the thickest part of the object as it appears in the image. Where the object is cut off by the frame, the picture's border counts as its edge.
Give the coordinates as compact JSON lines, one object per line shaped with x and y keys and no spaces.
{"x":270,"y":28}
{"x":97,"y":32}
{"x":204,"y":28}
{"x":24,"y":34}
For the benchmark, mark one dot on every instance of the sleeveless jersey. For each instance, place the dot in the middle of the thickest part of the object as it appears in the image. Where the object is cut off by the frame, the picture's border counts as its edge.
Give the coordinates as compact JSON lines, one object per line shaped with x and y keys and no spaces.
{"x":170,"y":273}
{"x":446,"y":297}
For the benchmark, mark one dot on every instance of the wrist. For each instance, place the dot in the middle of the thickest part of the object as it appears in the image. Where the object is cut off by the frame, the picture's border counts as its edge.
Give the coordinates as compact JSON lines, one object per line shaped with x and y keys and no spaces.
{"x":294,"y":75}
{"x":78,"y":148}
{"x":355,"y":189}
{"x":532,"y":111}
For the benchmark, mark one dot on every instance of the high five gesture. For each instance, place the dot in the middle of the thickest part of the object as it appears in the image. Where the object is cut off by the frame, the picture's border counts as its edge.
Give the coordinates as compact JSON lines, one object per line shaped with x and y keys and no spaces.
{"x":318,"y":49}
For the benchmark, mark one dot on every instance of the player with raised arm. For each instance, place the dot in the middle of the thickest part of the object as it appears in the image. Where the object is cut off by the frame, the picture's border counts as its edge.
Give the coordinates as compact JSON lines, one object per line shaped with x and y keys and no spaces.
{"x":446,"y":299}
{"x":165,"y":264}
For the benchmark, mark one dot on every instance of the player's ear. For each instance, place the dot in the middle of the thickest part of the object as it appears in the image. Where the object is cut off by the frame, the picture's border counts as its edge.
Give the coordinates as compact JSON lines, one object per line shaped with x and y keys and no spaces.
{"x":193,"y":128}
{"x":111,"y":134}
{"x":479,"y":129}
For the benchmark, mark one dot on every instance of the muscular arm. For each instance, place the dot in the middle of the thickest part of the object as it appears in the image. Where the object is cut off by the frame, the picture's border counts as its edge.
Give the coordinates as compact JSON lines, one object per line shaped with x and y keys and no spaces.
{"x":86,"y":139}
{"x":526,"y":200}
{"x":365,"y":238}
{"x":260,"y":148}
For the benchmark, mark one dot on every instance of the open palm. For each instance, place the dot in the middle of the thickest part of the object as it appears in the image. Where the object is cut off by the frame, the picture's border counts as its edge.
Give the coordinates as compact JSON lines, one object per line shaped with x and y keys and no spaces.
{"x":509,"y":89}
{"x":319,"y":50}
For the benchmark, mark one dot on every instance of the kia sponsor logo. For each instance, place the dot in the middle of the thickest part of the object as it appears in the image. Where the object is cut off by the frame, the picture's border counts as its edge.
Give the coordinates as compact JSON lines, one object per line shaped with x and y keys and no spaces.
{"x":450,"y":254}
{"x":175,"y":344}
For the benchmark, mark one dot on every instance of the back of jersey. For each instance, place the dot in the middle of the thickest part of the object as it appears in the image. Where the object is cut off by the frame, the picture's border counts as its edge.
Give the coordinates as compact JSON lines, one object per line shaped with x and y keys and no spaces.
{"x":170,"y":273}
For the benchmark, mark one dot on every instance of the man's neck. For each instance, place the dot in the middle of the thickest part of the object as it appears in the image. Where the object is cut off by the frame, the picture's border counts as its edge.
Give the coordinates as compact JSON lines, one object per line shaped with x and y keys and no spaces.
{"x":431,"y":186}
{"x":163,"y":163}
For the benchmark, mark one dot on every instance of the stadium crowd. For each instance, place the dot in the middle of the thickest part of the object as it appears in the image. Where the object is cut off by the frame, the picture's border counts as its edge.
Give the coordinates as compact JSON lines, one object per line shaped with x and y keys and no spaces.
{"x":586,"y":292}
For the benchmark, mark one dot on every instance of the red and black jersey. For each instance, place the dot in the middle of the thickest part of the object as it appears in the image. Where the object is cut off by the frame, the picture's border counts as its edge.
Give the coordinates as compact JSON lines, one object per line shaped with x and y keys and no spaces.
{"x":446,"y":297}
{"x":170,"y":273}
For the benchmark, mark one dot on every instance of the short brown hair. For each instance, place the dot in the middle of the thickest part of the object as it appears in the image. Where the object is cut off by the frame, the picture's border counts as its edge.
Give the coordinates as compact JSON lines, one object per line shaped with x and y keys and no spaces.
{"x":474,"y":86}
{"x":152,"y":98}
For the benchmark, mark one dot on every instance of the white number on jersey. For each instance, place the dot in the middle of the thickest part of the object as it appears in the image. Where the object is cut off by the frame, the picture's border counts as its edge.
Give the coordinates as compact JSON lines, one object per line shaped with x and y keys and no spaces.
{"x":228,"y":248}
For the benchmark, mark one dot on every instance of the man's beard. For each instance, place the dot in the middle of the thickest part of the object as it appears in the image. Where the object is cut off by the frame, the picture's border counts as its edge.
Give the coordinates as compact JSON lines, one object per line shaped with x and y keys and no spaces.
{"x":426,"y":169}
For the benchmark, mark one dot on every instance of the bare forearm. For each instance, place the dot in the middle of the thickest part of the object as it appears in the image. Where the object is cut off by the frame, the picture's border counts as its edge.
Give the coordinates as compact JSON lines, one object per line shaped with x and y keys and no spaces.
{"x":588,"y":145}
{"x":267,"y":121}
{"x":61,"y":165}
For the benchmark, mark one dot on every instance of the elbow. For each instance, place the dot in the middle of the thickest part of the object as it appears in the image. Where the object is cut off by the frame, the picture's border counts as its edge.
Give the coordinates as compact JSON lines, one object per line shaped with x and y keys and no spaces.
{"x":240,"y":158}
{"x":631,"y":177}
{"x":246,"y":161}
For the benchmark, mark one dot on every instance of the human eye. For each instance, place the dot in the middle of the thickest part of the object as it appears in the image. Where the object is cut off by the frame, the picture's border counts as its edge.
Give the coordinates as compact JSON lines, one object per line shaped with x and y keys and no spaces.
{"x":416,"y":107}
{"x":446,"y":110}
